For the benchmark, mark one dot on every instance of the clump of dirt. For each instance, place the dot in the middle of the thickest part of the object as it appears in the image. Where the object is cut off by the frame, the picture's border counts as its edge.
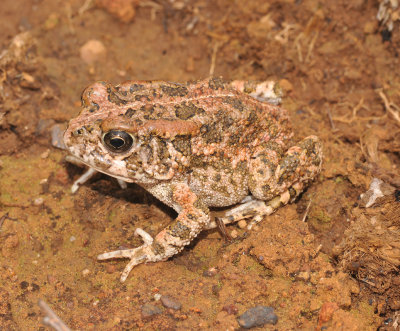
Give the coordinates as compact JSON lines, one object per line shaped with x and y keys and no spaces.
{"x":124,"y":10}
{"x":370,"y":249}
{"x":27,"y":97}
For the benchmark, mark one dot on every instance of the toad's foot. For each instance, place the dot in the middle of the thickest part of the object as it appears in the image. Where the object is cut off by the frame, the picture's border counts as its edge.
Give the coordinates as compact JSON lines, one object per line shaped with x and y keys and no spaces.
{"x":144,"y":253}
{"x":253,"y":209}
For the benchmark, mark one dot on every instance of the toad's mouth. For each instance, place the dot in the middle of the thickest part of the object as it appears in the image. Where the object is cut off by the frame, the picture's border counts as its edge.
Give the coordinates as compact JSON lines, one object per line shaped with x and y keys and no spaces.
{"x":81,"y":162}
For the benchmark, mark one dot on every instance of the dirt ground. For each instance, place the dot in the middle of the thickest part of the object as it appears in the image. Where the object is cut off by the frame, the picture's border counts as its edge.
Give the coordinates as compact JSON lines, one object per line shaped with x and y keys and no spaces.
{"x":329,"y":261}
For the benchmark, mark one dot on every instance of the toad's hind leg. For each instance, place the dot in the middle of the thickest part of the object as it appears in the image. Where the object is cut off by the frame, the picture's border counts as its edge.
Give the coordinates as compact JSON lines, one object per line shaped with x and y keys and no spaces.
{"x":273,"y":186}
{"x":288,"y":178}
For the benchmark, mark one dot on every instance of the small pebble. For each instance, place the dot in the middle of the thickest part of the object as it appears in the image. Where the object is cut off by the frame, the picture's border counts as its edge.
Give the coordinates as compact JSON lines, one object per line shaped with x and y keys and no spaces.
{"x":234,"y":234}
{"x":157,"y":296}
{"x":121,"y":73}
{"x":72,"y":239}
{"x":304,"y":276}
{"x":38,"y":201}
{"x":45,"y":154}
{"x":210,"y":272}
{"x":92,"y":51}
{"x":242,"y":224}
{"x":257,"y":316}
{"x":170,"y":302}
{"x":85,"y":272}
{"x":150,"y":310}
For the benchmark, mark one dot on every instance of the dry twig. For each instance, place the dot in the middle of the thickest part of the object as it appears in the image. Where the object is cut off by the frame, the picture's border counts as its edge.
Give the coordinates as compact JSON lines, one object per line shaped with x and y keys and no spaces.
{"x":311,"y":47}
{"x":223,"y":230}
{"x":214,"y":59}
{"x":307,"y":210}
{"x":87,"y":5}
{"x":51,"y":319}
{"x":330,"y":119}
{"x":390,"y":107}
{"x":354,"y":117}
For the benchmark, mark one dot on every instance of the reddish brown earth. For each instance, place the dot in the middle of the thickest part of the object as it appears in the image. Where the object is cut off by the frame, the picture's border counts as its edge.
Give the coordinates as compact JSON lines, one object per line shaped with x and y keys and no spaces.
{"x":338,"y":268}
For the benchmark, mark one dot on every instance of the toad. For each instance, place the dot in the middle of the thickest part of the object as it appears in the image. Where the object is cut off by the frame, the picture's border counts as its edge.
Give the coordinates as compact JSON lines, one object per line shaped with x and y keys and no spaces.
{"x":193,"y":146}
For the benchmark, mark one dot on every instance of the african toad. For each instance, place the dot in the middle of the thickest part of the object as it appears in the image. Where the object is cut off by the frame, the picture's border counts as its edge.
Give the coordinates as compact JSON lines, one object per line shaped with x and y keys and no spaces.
{"x":193,"y":146}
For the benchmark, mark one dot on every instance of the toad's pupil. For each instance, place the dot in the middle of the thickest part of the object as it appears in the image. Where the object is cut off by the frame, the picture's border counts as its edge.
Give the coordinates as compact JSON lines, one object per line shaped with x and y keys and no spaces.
{"x":117,"y":142}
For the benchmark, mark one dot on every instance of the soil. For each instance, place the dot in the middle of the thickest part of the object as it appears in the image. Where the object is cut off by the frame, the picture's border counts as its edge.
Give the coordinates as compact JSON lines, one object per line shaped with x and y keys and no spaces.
{"x":329,"y":261}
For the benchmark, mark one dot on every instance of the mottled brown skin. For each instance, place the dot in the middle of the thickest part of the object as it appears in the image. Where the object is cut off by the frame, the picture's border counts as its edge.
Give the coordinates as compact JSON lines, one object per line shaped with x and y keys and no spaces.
{"x":194,"y":146}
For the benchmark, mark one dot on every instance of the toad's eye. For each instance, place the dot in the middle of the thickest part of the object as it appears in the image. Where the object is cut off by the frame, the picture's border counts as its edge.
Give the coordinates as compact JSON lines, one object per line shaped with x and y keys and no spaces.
{"x":117,"y":141}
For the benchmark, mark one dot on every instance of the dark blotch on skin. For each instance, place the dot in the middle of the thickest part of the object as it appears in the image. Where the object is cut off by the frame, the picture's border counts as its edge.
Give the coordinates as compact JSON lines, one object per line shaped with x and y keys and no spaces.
{"x":182,"y":144}
{"x":235,"y":103}
{"x":115,"y":99}
{"x":252,"y":119}
{"x":309,"y":146}
{"x":138,"y":121}
{"x":197,"y":161}
{"x":130,"y":112}
{"x":216,"y":83}
{"x":162,"y":149}
{"x":185,"y":111}
{"x":223,"y":117}
{"x":272,"y":166}
{"x":201,"y":206}
{"x":179,"y":230}
{"x":88,"y":128}
{"x":135,"y":88}
{"x":288,"y":165}
{"x":191,"y":216}
{"x":273,"y":146}
{"x":266,"y":189}
{"x":158,"y":248}
{"x":211,"y":133}
{"x":234,"y":139}
{"x":174,"y":91}
{"x":93,"y":107}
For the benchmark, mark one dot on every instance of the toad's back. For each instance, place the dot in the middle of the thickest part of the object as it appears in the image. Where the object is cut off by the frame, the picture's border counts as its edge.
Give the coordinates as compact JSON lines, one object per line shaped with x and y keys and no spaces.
{"x":214,"y":116}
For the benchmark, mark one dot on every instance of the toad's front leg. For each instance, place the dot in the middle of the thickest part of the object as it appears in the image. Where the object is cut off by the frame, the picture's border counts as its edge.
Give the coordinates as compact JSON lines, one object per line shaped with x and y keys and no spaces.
{"x":192,"y":218}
